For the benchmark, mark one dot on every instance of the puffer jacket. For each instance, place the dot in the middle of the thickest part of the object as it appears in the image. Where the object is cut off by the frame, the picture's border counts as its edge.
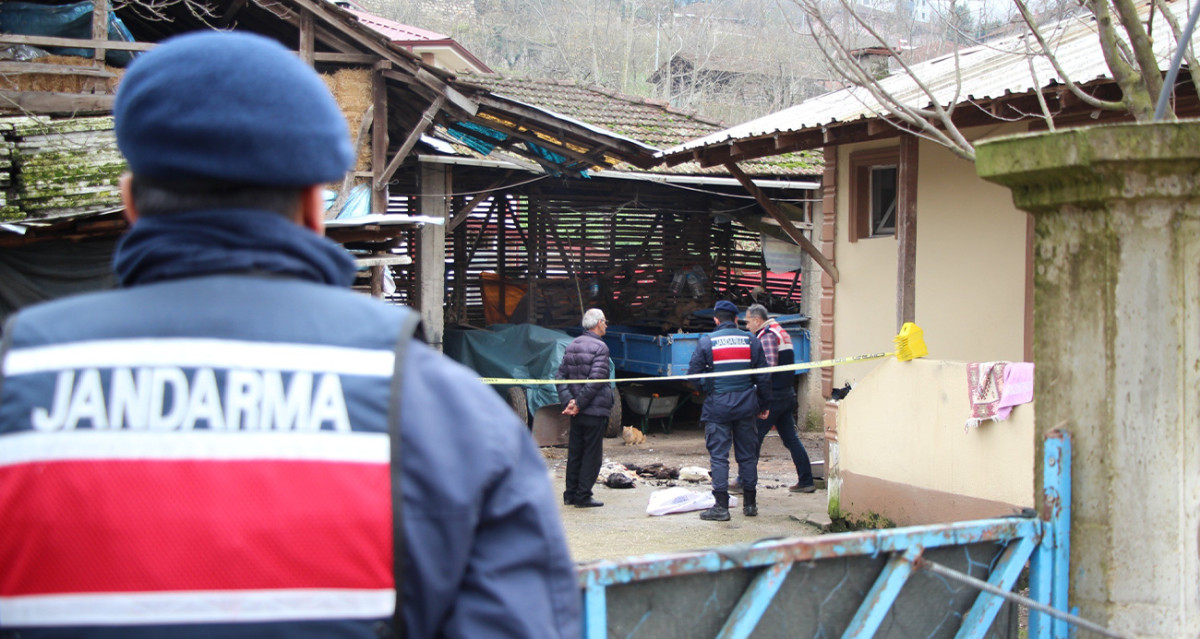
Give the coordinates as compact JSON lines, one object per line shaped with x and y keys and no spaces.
{"x":586,"y":358}
{"x":205,"y":453}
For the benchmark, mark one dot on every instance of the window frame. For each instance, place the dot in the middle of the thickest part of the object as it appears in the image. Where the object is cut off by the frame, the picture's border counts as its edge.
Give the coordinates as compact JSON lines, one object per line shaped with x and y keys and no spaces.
{"x":862,"y":165}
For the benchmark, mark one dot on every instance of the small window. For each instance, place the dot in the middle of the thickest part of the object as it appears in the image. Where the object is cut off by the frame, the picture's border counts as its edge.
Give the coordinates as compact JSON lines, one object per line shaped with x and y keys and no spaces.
{"x":883,"y":200}
{"x":874,"y":191}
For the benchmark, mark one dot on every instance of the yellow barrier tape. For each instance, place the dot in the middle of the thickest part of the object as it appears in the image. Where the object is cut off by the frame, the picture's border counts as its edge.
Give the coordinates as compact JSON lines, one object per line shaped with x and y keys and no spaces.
{"x":770,"y":369}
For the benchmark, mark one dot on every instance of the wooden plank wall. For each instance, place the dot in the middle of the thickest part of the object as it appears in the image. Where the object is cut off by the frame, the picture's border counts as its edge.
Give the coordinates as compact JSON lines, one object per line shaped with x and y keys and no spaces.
{"x":577,"y":251}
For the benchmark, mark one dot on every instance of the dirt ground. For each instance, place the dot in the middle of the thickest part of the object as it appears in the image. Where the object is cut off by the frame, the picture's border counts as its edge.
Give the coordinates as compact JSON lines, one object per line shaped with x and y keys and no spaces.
{"x":621,"y":528}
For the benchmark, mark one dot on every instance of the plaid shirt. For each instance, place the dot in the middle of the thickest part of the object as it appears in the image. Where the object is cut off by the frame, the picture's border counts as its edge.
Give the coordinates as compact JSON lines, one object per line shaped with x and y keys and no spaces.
{"x":770,"y":344}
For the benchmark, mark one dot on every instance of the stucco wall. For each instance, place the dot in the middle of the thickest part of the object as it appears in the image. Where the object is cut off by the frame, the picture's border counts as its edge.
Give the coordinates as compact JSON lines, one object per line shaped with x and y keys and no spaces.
{"x":903,"y":450}
{"x":971,"y":269}
{"x":899,"y":448}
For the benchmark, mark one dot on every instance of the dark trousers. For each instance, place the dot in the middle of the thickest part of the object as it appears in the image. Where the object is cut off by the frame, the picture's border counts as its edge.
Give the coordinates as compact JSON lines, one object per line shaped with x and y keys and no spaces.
{"x":782,"y":419}
{"x":585,"y":451}
{"x":743,"y":437}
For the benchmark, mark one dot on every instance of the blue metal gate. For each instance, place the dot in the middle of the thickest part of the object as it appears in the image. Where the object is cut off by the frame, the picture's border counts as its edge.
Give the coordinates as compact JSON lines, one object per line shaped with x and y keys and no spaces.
{"x":946,"y":580}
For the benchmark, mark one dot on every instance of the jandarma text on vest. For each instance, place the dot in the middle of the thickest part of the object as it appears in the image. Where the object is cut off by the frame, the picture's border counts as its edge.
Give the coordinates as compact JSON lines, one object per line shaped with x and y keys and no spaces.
{"x":164,"y":398}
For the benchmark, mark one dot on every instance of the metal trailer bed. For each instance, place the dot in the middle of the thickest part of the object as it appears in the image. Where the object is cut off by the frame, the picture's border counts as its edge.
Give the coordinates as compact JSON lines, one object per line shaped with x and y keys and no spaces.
{"x":637,"y":353}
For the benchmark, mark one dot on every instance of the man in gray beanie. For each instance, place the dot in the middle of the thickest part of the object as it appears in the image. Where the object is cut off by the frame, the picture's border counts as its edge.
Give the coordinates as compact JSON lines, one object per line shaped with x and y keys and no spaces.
{"x":730,"y":407}
{"x":214,"y":450}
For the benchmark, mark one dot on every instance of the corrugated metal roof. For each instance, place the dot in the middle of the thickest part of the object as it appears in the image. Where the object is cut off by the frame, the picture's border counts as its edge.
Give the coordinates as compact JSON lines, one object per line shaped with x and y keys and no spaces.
{"x":650,"y":123}
{"x":988,"y":71}
{"x":394,"y":30}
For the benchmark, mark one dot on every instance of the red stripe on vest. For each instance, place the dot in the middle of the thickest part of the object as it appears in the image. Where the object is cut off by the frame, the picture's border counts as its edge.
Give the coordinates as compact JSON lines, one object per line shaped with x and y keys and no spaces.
{"x":731,"y":353}
{"x":145,"y":526}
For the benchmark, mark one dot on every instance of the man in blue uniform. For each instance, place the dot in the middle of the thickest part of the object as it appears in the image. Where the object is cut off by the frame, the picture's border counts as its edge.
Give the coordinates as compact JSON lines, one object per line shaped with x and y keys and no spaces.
{"x":731,"y":406}
{"x":214,"y":450}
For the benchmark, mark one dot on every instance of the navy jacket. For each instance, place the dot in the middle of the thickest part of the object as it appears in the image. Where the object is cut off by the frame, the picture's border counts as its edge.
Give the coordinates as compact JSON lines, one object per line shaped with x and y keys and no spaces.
{"x":733,"y":397}
{"x":586,"y":357}
{"x":205,"y":454}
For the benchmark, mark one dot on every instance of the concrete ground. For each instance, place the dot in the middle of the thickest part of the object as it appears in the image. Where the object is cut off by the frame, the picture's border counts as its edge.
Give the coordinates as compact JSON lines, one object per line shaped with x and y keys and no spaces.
{"x":621,"y":528}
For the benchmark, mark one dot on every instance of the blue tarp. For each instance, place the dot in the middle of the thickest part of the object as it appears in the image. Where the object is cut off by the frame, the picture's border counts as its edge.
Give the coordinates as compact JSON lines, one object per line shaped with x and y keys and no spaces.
{"x":63,"y":21}
{"x":481,"y":138}
{"x":357,"y":204}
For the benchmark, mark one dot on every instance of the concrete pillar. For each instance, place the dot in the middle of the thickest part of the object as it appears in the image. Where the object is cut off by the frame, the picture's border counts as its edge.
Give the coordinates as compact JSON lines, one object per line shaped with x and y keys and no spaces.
{"x":1117,"y":347}
{"x":435,"y":183}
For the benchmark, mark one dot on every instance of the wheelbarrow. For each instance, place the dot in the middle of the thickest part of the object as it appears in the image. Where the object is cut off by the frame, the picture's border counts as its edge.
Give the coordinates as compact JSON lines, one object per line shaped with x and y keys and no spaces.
{"x":648,"y":404}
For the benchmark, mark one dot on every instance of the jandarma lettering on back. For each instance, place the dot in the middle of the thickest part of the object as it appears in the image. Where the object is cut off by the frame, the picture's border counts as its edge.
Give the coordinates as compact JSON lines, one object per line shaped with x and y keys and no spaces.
{"x":165,"y":399}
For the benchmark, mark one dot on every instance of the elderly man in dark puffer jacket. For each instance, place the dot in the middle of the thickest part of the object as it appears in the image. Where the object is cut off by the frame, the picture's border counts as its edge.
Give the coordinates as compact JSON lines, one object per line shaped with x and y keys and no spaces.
{"x":588,"y":405}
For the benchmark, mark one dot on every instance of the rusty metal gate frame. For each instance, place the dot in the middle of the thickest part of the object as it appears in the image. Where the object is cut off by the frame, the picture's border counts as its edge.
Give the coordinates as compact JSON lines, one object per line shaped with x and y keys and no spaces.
{"x":1043,"y":542}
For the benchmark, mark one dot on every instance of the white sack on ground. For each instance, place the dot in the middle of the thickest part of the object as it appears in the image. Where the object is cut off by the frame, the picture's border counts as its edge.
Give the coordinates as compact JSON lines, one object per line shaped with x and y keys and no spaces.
{"x":681,"y":500}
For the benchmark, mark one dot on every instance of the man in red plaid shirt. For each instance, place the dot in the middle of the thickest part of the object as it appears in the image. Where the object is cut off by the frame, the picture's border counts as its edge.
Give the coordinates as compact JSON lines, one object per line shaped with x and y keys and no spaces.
{"x":777,"y":347}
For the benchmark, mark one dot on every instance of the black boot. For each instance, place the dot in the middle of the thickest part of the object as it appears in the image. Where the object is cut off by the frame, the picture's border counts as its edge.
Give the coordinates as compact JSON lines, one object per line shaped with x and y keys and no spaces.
{"x":750,"y":505}
{"x":719,"y":512}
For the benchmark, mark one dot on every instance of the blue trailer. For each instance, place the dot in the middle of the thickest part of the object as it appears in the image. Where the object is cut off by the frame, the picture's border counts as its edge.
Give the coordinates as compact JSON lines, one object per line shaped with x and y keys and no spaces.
{"x":635,"y":352}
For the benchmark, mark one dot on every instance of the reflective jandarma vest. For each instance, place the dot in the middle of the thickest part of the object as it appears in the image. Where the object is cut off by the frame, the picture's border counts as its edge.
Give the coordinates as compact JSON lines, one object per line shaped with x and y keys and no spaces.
{"x":169,"y":468}
{"x":142,"y":456}
{"x":730,"y":352}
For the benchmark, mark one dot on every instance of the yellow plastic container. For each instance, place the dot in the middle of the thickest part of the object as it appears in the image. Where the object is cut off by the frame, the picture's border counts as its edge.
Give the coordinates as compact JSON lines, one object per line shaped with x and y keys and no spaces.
{"x":910,"y":343}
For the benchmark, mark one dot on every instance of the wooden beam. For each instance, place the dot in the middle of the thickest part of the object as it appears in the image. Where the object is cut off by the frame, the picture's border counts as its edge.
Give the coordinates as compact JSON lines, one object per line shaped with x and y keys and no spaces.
{"x":906,"y":231}
{"x":712,"y":156}
{"x":434,"y":183}
{"x":321,"y":10}
{"x":677,"y":159}
{"x":48,"y":41}
{"x":759,"y":224}
{"x":783,"y":220}
{"x":48,"y":102}
{"x":99,"y":30}
{"x":344,"y":58}
{"x":379,"y":142}
{"x":39,"y":68}
{"x":421,"y":126}
{"x":454,"y":97}
{"x":462,"y":213}
{"x":798,"y":141}
{"x":879,"y":126}
{"x":307,"y":38}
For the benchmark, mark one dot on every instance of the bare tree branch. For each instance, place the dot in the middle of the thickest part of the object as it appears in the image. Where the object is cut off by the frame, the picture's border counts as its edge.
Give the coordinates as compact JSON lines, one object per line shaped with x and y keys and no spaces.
{"x":1047,"y":117}
{"x":1143,"y":56}
{"x":1027,"y":16}
{"x":1135,"y":98}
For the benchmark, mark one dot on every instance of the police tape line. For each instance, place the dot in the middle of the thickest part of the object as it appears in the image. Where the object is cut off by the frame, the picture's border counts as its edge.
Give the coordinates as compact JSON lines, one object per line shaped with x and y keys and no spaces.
{"x":770,"y":369}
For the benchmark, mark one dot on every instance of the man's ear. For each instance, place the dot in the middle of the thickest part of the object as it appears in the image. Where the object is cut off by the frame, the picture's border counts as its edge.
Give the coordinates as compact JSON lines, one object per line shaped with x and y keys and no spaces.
{"x":312,"y":208}
{"x":131,"y":214}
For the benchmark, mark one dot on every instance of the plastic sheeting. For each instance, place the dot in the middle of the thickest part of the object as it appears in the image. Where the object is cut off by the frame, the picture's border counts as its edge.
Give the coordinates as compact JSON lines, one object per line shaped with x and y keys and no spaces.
{"x":513,"y":351}
{"x":64,"y":21}
{"x":50,"y":270}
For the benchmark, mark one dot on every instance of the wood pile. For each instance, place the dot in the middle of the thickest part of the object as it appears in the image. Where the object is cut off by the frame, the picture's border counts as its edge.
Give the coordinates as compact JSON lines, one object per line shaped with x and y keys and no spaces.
{"x":58,"y":168}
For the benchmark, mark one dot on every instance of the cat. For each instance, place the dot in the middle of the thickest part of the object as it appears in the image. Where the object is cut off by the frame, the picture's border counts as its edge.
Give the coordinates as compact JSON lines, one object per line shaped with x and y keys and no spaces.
{"x":632,"y":436}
